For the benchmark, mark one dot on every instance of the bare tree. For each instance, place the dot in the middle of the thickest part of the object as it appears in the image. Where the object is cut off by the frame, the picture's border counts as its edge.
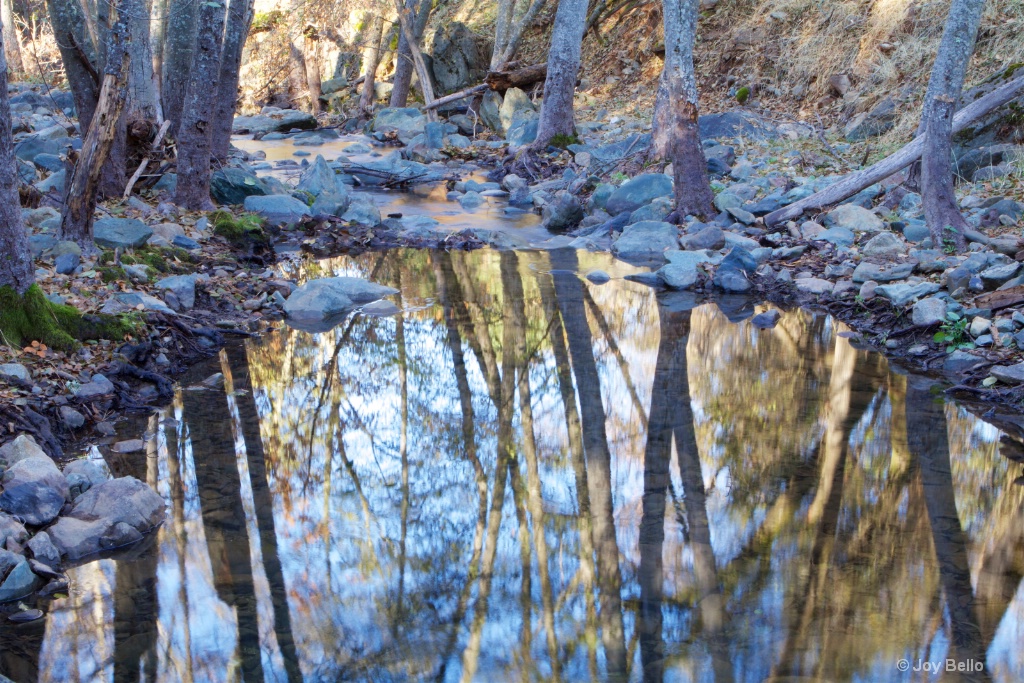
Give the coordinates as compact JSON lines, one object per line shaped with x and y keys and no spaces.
{"x":404,"y":65}
{"x":509,"y":28}
{"x":196,"y":130}
{"x":16,"y":269}
{"x":77,"y":54}
{"x":239,"y":20}
{"x":556,"y":116}
{"x":177,"y":50}
{"x":12,"y":42}
{"x":676,"y":134}
{"x":945,"y":222}
{"x":371,"y":59}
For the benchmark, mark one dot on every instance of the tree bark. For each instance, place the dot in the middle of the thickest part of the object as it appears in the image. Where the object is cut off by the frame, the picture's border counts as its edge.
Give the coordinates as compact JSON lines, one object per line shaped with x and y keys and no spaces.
{"x":177,"y":58}
{"x":12,"y":42}
{"x":197,"y":117}
{"x":855,"y":182}
{"x":506,"y":49}
{"x":675,"y":118}
{"x":157,"y":38}
{"x":78,"y":56}
{"x":239,"y":20}
{"x":16,"y":269}
{"x":312,"y":73}
{"x":405,"y":21}
{"x":84,"y":185}
{"x":556,"y":116}
{"x":371,"y":59}
{"x":142,"y":99}
{"x":942,"y":215}
{"x":404,"y":65}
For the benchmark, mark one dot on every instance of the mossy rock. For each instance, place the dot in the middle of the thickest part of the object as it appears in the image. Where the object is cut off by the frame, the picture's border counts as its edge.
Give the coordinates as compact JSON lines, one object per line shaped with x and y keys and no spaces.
{"x":33,"y":317}
{"x":240,"y":231}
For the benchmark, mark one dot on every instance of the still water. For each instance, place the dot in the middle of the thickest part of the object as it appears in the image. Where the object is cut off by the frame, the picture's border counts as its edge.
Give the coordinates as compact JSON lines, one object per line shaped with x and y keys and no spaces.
{"x":527,"y":477}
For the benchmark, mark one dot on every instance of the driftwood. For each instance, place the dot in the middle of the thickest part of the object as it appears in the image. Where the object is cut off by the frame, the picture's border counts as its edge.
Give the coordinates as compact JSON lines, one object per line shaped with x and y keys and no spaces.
{"x":855,"y":182}
{"x":498,"y":80}
{"x":145,"y":162}
{"x":1001,"y":298}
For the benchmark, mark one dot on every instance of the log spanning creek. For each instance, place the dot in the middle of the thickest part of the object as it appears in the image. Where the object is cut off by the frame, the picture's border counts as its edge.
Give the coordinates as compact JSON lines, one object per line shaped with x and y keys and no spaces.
{"x":515,"y":474}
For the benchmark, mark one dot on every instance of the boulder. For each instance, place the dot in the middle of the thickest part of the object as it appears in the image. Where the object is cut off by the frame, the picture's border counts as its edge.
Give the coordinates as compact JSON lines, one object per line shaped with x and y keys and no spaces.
{"x":458,"y":61}
{"x":711,"y":237}
{"x":232,"y":185}
{"x":853,"y":217}
{"x":277,"y":209}
{"x":274,"y":121}
{"x":1009,"y":374}
{"x":183,"y":287}
{"x":523,"y":130}
{"x":562,"y":213}
{"x":961,"y":361}
{"x":34,"y":490}
{"x":638,"y":191}
{"x":121,"y":233}
{"x":318,"y":178}
{"x":885,"y":245}
{"x":733,"y":274}
{"x":20,"y":449}
{"x":646,"y":239}
{"x":97,"y":386}
{"x":880,"y":119}
{"x":14,"y":372}
{"x":490,"y":111}
{"x":406,"y":121}
{"x":733,"y":124}
{"x":514,"y":104}
{"x":362,"y":210}
{"x":330,"y":203}
{"x":324,"y":299}
{"x":125,"y":500}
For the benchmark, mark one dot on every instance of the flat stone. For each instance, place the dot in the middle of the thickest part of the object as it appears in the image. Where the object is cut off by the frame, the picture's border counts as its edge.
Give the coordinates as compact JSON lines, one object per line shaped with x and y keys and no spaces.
{"x":854,"y":218}
{"x":279,"y":120}
{"x":1009,"y":374}
{"x":321,"y":300}
{"x":841,"y":237}
{"x":882,"y":272}
{"x":646,"y":239}
{"x":121,"y":233}
{"x":277,"y":209}
{"x":961,"y":361}
{"x":928,"y":312}
{"x":15,"y":371}
{"x":997,"y":275}
{"x":813,"y":285}
{"x":902,"y":293}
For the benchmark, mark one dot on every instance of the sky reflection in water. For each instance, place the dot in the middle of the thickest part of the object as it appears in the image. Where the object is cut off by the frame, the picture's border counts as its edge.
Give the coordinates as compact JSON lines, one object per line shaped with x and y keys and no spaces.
{"x":528,"y":477}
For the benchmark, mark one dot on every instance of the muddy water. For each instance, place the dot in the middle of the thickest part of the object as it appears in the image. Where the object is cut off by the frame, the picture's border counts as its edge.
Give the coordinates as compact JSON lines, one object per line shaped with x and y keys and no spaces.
{"x":524,"y":476}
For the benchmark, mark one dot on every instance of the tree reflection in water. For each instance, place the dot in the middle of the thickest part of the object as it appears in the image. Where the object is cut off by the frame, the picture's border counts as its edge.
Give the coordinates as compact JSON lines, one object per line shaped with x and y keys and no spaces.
{"x":528,"y":477}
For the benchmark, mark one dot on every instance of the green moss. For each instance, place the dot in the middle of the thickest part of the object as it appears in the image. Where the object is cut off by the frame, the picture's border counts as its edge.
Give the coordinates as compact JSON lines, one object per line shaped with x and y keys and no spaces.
{"x":1012,"y":69}
{"x":742,"y":95}
{"x":32,"y":317}
{"x":238,"y":230}
{"x":265,"y":21}
{"x":563,"y":141}
{"x":112,"y":273}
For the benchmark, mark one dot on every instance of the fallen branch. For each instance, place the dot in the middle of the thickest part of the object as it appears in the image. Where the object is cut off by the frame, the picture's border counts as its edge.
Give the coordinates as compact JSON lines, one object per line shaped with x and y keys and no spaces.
{"x":498,"y":80}
{"x":145,"y":162}
{"x":468,"y":92}
{"x":855,"y":182}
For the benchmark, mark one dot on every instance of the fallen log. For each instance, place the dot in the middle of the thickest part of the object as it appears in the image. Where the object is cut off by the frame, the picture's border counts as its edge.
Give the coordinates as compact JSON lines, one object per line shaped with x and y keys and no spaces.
{"x":468,"y":92}
{"x":855,"y":182}
{"x":498,"y":80}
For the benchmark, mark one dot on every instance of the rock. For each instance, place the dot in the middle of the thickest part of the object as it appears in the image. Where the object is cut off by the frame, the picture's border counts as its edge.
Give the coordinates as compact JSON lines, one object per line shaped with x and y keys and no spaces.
{"x":232,"y":185}
{"x":277,"y":209}
{"x":766,"y":320}
{"x":33,"y":145}
{"x":490,"y":108}
{"x":1008,"y":207}
{"x":21,"y":581}
{"x":880,"y":119}
{"x":320,"y":300}
{"x":733,"y":274}
{"x":34,"y":490}
{"x":979,"y":326}
{"x":90,"y":472}
{"x":1009,"y":374}
{"x":24,"y":446}
{"x":882,"y":273}
{"x":44,"y":550}
{"x":319,"y":178}
{"x":523,"y":131}
{"x":129,"y":446}
{"x":741,"y":215}
{"x":362,"y":210}
{"x":649,"y":279}
{"x":902,"y":293}
{"x":598,"y":277}
{"x":928,"y":312}
{"x":458,"y":61}
{"x":997,"y":275}
{"x":733,"y":124}
{"x":124,"y":500}
{"x":563,"y":213}
{"x":135,"y":301}
{"x":12,"y":529}
{"x":514,"y":103}
{"x":183,"y":242}
{"x":638,"y":191}
{"x":471,"y":200}
{"x":183,"y":287}
{"x":279,"y":120}
{"x":885,"y":245}
{"x":726,"y":200}
{"x":658,"y":210}
{"x":711,"y":237}
{"x":120,"y":233}
{"x":813,"y":285}
{"x":960,"y":361}
{"x":646,"y":239}
{"x":98,"y":386}
{"x":15,"y":372}
{"x":405,"y":121}
{"x":853,"y":217}
{"x":841,"y":237}
{"x":331,"y":204}
{"x":65,"y":264}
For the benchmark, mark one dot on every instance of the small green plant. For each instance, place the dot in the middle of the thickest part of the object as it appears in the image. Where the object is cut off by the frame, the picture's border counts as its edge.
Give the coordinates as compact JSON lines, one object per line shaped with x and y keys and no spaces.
{"x":562,"y":141}
{"x":953,"y":333}
{"x":265,"y":21}
{"x":949,"y":240}
{"x":742,"y":95}
{"x":619,"y":177}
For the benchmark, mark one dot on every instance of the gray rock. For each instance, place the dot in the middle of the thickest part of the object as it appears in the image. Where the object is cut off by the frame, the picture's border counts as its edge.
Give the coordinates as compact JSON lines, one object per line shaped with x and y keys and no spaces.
{"x":10,"y":528}
{"x":14,"y":372}
{"x":885,"y":245}
{"x":711,"y":237}
{"x":928,"y":312}
{"x":563,"y":213}
{"x":646,"y":239}
{"x":813,"y":285}
{"x":880,"y":119}
{"x":902,"y":293}
{"x":277,"y":209}
{"x":514,"y":103}
{"x":133,"y":300}
{"x":734,"y":124}
{"x":24,"y":446}
{"x":679,"y":275}
{"x":54,"y":183}
{"x":232,"y":185}
{"x":319,"y":178}
{"x":598,"y":277}
{"x":841,"y":237}
{"x":1009,"y":374}
{"x":471,"y":200}
{"x":742,"y":215}
{"x":979,"y":326}
{"x":458,"y":60}
{"x":1008,"y":207}
{"x":657,"y":210}
{"x":120,"y":233}
{"x":183,"y":287}
{"x":34,"y":490}
{"x":125,"y":500}
{"x":766,"y":320}
{"x":961,"y":361}
{"x":321,"y":300}
{"x":490,"y":108}
{"x":853,"y":218}
{"x":88,"y":470}
{"x":362,"y":210}
{"x":97,"y":386}
{"x":997,"y":275}
{"x":20,"y":582}
{"x":65,"y":264}
{"x":638,"y":191}
{"x":733,"y":274}
{"x":882,"y":272}
{"x":726,"y":200}
{"x":523,"y":131}
{"x":405,"y":121}
{"x":280,"y":120}
{"x":44,"y":550}
{"x":331,"y":204}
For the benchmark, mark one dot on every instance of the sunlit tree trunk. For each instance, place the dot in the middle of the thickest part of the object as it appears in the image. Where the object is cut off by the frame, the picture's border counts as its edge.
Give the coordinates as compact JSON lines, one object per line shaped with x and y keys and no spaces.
{"x":12,"y":39}
{"x":945,"y":222}
{"x":556,"y":116}
{"x":198,"y":115}
{"x":178,"y":47}
{"x":676,"y":134}
{"x":371,"y":59}
{"x":239,"y":19}
{"x":16,"y":269}
{"x":157,"y":37}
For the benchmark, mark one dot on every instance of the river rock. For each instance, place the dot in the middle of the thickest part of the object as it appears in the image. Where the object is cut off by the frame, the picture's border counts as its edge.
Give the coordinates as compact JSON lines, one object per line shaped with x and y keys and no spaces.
{"x":813,"y":285}
{"x":514,"y":103}
{"x":34,"y":490}
{"x":183,"y":287}
{"x":274,"y":120}
{"x":902,"y":293}
{"x":646,"y":239}
{"x":711,"y":237}
{"x":24,"y":446}
{"x":232,"y":185}
{"x":19,"y":581}
{"x":14,"y":372}
{"x":490,"y":108}
{"x":320,"y":300}
{"x":120,"y":233}
{"x":961,"y":361}
{"x":44,"y":550}
{"x":331,"y":204}
{"x":562,"y":213}
{"x":362,"y":210}
{"x":523,"y":130}
{"x":318,"y":178}
{"x":1009,"y":374}
{"x":733,"y":124}
{"x":928,"y":312}
{"x":995,"y":276}
{"x":733,"y":274}
{"x":97,"y":386}
{"x":679,"y":275}
{"x":853,"y":217}
{"x":882,"y":272}
{"x":102,"y":517}
{"x":637,"y":192}
{"x":885,"y":245}
{"x":277,"y":209}
{"x":12,"y":529}
{"x":406,"y":121}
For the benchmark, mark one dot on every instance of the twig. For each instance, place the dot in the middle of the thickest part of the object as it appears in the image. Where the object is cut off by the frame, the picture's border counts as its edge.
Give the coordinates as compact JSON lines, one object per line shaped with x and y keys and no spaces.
{"x":145,"y":162}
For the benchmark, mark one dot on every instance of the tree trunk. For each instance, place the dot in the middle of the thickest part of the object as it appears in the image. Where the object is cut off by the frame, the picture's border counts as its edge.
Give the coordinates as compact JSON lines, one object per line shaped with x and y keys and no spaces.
{"x":195,"y":134}
{"x":404,"y":65}
{"x":405,"y":20}
{"x":371,"y":58}
{"x":675,"y":116}
{"x":16,"y":269}
{"x":177,"y":58}
{"x":157,"y":39}
{"x":77,"y":55}
{"x":12,"y":42}
{"x":556,"y":116}
{"x":300,"y":83}
{"x":142,"y":99}
{"x":84,"y":184}
{"x":945,"y":222}
{"x":238,"y":21}
{"x":514,"y":35}
{"x":312,"y":75}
